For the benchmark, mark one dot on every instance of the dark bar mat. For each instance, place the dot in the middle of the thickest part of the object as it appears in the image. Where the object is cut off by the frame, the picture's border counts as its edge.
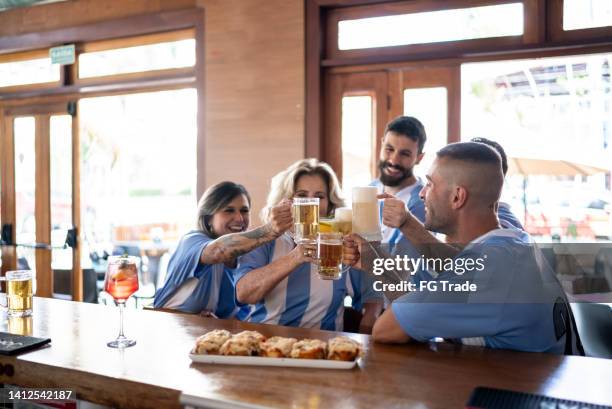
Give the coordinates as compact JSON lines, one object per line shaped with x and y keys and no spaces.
{"x":489,"y":398}
{"x":13,"y":344}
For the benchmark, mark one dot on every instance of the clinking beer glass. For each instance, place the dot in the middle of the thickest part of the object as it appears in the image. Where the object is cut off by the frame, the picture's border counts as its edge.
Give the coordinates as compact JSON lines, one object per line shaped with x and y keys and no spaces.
{"x":366,"y":217}
{"x":19,"y":290}
{"x":305,"y":219}
{"x":329,"y":255}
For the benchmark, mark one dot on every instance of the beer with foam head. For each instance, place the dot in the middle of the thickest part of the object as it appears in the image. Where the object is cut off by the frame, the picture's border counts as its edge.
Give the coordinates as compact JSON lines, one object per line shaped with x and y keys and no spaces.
{"x":343,"y":220}
{"x":329,"y":252}
{"x":305,"y":219}
{"x":366,"y":218}
{"x":19,"y":293}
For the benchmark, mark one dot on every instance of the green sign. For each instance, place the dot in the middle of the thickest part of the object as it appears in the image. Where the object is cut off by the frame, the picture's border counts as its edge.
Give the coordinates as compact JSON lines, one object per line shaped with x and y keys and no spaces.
{"x":63,"y":54}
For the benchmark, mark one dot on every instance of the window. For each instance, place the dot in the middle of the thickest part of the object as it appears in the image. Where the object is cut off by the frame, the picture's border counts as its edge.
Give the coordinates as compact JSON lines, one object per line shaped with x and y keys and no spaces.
{"x":580,"y":14}
{"x":166,"y":55}
{"x":34,"y":71}
{"x":431,"y":27}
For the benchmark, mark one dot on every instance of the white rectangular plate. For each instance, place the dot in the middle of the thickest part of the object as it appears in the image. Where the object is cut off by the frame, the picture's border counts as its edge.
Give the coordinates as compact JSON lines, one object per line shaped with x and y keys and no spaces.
{"x":265,"y":361}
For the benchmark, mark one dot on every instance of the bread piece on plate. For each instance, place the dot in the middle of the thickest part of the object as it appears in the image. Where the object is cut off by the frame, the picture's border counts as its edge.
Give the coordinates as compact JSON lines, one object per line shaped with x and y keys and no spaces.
{"x":240,"y":346}
{"x":309,"y":349}
{"x":343,"y":349}
{"x":277,"y":347}
{"x":210,"y":342}
{"x":251,"y":334}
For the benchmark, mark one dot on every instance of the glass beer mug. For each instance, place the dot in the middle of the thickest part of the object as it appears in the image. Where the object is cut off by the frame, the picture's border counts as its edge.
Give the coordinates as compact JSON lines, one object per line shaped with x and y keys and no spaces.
{"x":343,"y":220}
{"x":329,"y":256}
{"x":366,"y":218}
{"x":305,"y":219}
{"x":19,"y":292}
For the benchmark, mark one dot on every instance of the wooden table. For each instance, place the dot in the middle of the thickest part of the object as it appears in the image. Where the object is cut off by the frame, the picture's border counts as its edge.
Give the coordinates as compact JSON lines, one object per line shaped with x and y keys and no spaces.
{"x":153,"y":373}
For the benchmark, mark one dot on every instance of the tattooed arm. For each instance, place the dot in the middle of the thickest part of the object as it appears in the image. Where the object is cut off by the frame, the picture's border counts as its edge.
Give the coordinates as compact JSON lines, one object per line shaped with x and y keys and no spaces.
{"x":226,"y":248}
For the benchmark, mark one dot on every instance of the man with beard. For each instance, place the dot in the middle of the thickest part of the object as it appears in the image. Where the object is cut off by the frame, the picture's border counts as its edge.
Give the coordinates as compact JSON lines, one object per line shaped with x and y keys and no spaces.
{"x":401,"y":149}
{"x":498,"y":291}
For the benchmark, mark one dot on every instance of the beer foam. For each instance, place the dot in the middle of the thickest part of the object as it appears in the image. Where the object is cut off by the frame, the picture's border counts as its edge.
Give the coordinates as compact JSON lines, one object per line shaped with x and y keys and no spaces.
{"x":343,"y":214}
{"x":365,"y":194}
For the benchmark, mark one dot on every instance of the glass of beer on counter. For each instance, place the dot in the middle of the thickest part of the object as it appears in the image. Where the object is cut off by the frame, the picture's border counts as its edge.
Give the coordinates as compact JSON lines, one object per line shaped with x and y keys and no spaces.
{"x":343,"y":220}
{"x":366,"y":217}
{"x":19,"y":291}
{"x":329,"y":255}
{"x":305,"y":219}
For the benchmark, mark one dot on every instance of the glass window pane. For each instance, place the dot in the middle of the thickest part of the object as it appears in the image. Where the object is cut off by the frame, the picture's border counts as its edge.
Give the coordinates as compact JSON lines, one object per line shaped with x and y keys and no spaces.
{"x":430,"y":106}
{"x":28,"y":72}
{"x":432,"y":27}
{"x":138,"y":177}
{"x":61,"y":189}
{"x":578,"y":14}
{"x":159,"y":56}
{"x":548,"y":109}
{"x":25,"y":229}
{"x":357,"y":140}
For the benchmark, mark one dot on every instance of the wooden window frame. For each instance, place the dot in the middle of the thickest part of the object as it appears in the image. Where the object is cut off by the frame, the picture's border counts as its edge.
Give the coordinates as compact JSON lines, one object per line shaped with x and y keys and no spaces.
{"x":557,"y":33}
{"x":530,"y":31}
{"x":538,"y":41}
{"x":26,"y":56}
{"x":123,"y":31}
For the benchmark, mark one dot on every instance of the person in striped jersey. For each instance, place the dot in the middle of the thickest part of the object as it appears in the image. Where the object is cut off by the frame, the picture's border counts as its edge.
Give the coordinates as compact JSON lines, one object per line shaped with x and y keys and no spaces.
{"x":200,"y":270}
{"x":279,"y":278}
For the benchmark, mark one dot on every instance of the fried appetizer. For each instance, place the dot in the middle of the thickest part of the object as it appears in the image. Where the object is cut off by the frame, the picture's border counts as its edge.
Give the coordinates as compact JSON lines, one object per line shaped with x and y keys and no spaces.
{"x":309,"y":349}
{"x":343,"y":349}
{"x":211,"y":342}
{"x":251,"y":334}
{"x":277,"y":347}
{"x":240,"y":346}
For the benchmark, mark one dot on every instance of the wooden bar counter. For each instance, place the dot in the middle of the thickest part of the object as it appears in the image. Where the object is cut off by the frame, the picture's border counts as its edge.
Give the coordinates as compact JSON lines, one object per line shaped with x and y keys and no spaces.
{"x":154,"y":372}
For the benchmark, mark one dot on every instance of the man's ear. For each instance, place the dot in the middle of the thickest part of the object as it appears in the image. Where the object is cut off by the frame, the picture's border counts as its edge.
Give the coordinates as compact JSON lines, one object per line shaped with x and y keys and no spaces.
{"x":460,"y":196}
{"x":419,"y":158}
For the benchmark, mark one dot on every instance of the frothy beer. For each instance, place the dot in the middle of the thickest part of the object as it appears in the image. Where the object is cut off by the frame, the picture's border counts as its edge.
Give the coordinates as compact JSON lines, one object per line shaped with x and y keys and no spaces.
{"x":343,"y":220}
{"x":366,"y":221}
{"x":305,"y":219}
{"x":19,"y":293}
{"x":329,"y":251}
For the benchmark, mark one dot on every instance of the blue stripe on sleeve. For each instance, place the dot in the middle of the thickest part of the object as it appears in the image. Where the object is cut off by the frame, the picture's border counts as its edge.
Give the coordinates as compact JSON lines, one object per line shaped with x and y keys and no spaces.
{"x":298,"y":296}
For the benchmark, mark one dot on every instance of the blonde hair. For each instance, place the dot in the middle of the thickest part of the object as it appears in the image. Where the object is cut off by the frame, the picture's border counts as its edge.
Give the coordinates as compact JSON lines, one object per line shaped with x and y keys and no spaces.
{"x":283,"y":184}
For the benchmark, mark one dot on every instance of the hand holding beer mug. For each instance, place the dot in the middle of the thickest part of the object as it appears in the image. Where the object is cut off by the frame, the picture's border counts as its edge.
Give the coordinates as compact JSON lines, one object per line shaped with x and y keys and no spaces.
{"x":305,"y":219}
{"x":19,"y":292}
{"x":330,"y":250}
{"x":366,"y":220}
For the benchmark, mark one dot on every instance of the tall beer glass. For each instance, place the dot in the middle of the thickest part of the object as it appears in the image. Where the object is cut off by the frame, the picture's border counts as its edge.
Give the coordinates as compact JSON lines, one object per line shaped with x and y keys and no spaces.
{"x":366,"y":218}
{"x":19,"y":291}
{"x":329,"y":254}
{"x":305,"y":219}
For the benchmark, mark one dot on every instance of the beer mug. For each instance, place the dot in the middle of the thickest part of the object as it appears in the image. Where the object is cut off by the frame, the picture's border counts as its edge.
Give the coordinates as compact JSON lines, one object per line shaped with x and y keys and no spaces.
{"x":343,"y":220}
{"x":366,"y":216}
{"x":329,"y":255}
{"x":305,"y":219}
{"x":19,"y":292}
{"x":20,"y":325}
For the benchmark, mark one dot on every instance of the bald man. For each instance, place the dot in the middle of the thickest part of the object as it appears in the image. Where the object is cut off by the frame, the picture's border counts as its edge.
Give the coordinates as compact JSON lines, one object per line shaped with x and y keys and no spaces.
{"x":497,"y":291}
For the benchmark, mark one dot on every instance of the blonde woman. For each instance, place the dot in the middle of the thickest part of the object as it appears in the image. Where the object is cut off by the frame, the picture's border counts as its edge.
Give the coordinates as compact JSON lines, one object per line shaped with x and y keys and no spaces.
{"x":277,"y":278}
{"x":200,"y":270}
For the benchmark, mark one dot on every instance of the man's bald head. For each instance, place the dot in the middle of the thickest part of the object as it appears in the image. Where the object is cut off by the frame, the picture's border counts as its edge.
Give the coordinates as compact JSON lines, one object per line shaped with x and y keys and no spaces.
{"x":476,"y":167}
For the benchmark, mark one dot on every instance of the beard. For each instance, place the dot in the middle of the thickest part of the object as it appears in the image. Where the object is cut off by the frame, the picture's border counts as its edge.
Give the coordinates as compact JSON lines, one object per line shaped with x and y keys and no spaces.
{"x":393,"y":181}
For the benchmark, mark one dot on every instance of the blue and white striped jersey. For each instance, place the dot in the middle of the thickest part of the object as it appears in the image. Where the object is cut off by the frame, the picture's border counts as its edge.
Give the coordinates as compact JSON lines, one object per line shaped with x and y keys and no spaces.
{"x":302,"y":299}
{"x":194,"y":287}
{"x":512,"y":308}
{"x":410,"y":195}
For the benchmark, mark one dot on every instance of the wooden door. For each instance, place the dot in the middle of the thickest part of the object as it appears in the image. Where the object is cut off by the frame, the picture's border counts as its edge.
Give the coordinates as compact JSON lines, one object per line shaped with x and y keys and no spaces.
{"x":40,"y":206}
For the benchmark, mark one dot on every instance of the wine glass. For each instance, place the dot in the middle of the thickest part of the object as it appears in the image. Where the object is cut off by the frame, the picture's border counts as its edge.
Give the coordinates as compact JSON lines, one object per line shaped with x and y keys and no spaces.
{"x":121,"y":281}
